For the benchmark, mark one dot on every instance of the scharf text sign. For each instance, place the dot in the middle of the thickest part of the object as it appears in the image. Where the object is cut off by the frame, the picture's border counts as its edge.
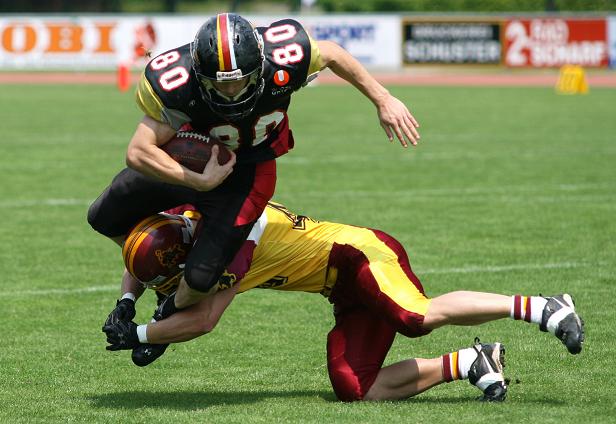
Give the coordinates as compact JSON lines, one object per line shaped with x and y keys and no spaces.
{"x":451,"y":42}
{"x":556,"y":42}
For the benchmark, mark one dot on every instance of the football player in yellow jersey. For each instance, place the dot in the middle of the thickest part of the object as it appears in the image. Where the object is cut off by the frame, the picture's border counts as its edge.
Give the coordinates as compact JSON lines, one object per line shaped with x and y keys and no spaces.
{"x":367,"y":276}
{"x":234,"y":84}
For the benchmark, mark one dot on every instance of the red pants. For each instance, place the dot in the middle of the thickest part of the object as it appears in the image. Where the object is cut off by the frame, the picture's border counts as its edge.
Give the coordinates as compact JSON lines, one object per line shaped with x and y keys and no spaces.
{"x":370,"y":308}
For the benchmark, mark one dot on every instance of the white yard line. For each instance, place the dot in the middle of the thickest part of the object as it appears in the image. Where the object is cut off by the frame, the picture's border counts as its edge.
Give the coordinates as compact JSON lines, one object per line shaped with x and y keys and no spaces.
{"x":462,"y":270}
{"x":43,"y":202}
{"x":502,"y":268}
{"x":62,"y":292}
{"x":432,"y":192}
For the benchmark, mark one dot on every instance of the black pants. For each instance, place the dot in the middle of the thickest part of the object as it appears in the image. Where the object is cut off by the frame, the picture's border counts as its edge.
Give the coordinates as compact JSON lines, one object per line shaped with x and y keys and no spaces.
{"x":133,"y":196}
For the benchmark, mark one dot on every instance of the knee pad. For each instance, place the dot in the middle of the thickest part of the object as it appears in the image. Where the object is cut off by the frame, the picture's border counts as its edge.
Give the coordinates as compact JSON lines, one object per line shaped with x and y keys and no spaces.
{"x":201,"y":276}
{"x":93,"y":217}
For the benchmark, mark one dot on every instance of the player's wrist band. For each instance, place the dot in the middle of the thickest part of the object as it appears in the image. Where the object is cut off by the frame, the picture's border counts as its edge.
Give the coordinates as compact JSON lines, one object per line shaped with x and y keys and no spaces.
{"x":128,"y":296}
{"x":142,"y":333}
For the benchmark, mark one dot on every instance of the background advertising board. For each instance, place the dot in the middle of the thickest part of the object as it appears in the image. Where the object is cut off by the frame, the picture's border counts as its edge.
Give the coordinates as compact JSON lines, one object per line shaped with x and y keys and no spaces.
{"x":373,"y":40}
{"x":612,"y":40}
{"x":102,"y":42}
{"x":451,"y":42}
{"x":556,"y":42}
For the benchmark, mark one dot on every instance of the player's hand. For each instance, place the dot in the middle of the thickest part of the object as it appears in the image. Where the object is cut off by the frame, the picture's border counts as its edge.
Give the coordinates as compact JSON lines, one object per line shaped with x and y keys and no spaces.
{"x":214,"y":174}
{"x":124,"y":311}
{"x":122,"y":335}
{"x":397,"y":121}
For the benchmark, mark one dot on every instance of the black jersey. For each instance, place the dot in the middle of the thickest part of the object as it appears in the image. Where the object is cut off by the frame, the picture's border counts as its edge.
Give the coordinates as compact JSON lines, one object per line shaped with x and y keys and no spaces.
{"x":169,"y":92}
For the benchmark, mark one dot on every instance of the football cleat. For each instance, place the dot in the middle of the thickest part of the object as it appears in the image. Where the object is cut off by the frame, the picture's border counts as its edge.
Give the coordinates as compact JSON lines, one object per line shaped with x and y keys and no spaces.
{"x":147,"y":353}
{"x":559,"y":318}
{"x":486,"y":371}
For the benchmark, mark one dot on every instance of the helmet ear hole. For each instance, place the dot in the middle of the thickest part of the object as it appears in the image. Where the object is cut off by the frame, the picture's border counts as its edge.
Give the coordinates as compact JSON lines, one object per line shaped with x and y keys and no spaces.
{"x":237,"y":39}
{"x":211,"y":42}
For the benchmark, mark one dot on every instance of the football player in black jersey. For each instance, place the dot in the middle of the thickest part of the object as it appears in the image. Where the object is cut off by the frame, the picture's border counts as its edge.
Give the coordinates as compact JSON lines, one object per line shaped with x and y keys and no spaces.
{"x":234,"y":83}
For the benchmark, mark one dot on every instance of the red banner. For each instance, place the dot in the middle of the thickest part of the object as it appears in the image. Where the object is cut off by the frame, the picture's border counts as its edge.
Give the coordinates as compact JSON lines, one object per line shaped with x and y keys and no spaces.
{"x":556,"y":42}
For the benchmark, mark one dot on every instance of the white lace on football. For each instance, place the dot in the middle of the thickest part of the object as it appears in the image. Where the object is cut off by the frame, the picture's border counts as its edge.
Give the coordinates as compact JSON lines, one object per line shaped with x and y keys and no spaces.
{"x":190,"y":134}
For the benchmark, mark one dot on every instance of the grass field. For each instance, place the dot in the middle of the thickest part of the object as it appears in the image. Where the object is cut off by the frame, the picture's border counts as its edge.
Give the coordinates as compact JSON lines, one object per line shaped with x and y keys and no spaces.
{"x":511,"y":190}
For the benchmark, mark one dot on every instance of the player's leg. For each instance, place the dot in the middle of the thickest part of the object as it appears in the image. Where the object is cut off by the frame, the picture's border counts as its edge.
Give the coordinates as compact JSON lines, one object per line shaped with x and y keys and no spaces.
{"x":229,"y":212}
{"x":130,"y":197}
{"x":391,"y":288}
{"x":553,"y":314}
{"x":356,"y":349}
{"x":358,"y":345}
{"x":466,"y":308}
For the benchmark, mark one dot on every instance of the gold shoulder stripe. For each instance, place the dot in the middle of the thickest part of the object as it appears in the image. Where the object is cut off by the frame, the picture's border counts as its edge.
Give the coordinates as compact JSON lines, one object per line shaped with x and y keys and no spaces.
{"x":316,"y":64}
{"x":148,"y":100}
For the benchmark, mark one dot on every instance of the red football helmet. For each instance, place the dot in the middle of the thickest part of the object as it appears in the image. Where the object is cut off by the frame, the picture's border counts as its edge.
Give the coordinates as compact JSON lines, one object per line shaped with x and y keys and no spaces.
{"x":157,"y":247}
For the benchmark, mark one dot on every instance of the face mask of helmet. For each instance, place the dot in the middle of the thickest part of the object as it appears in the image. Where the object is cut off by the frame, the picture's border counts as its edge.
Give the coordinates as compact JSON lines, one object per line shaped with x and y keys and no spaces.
{"x":233,"y":91}
{"x":232,"y":98}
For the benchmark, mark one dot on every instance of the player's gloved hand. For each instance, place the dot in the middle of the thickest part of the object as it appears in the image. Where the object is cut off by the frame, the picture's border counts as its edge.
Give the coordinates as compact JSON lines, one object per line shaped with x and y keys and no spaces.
{"x":121,"y":335}
{"x":166,"y":308}
{"x":124,"y":311}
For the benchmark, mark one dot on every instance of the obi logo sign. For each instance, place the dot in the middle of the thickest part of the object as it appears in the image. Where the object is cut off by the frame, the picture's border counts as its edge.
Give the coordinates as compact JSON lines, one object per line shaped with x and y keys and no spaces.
{"x":556,"y":42}
{"x":54,"y":37}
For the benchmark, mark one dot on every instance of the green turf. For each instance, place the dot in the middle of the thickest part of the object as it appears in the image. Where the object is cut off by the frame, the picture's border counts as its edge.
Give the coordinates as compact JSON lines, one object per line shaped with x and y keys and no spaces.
{"x":512,"y":190}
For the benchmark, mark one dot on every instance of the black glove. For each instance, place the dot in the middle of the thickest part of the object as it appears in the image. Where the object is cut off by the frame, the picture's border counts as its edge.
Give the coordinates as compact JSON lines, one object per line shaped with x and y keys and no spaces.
{"x":121,"y":335}
{"x":166,"y":308}
{"x":124,"y":311}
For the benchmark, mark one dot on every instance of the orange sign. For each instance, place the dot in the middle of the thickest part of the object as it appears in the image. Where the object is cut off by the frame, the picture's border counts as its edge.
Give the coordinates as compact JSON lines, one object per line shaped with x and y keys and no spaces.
{"x":56,"y":37}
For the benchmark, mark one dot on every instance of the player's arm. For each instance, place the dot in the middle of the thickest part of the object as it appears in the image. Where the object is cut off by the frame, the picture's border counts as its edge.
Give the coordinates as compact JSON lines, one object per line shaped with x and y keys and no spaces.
{"x":394,"y":116}
{"x":125,"y":306}
{"x":192,"y":322}
{"x":145,"y":155}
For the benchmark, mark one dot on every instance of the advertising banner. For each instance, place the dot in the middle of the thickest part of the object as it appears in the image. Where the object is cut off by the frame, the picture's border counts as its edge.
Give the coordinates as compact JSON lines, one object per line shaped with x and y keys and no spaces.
{"x":612,"y":40}
{"x":373,"y":40}
{"x":556,"y":42}
{"x":102,"y":42}
{"x":451,"y":42}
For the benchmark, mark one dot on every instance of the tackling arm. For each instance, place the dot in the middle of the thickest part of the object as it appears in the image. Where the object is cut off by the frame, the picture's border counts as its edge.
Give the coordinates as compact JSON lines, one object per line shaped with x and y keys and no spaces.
{"x":192,"y":322}
{"x":144,"y":155}
{"x":125,"y":306}
{"x":131,"y":285}
{"x":394,"y":116}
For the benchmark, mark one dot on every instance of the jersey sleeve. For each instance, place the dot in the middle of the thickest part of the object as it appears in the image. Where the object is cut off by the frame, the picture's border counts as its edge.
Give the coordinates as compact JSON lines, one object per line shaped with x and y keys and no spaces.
{"x":316,"y":63}
{"x":292,"y":53}
{"x":161,"y":103}
{"x":149,"y":102}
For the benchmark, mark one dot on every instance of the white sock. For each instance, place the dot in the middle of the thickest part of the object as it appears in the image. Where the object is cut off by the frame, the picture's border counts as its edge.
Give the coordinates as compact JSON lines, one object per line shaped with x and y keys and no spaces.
{"x":527,"y":308}
{"x":457,"y":364}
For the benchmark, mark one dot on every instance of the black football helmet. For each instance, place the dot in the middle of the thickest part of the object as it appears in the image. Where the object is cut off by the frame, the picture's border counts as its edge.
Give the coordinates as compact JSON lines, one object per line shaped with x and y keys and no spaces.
{"x":228,"y":48}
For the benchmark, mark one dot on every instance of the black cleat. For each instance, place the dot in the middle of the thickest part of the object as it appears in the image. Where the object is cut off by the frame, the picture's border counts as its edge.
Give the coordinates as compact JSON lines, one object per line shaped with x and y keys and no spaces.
{"x":146,"y":353}
{"x":559,"y":318}
{"x":487,"y":371}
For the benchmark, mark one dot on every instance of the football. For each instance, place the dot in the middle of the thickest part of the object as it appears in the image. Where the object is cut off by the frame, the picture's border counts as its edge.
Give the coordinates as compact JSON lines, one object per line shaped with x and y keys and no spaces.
{"x":193,"y":150}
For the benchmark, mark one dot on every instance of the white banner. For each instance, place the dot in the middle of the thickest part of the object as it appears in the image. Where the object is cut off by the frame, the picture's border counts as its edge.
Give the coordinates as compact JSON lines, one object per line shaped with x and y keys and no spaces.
{"x":611,"y":39}
{"x":102,"y":42}
{"x":373,"y":40}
